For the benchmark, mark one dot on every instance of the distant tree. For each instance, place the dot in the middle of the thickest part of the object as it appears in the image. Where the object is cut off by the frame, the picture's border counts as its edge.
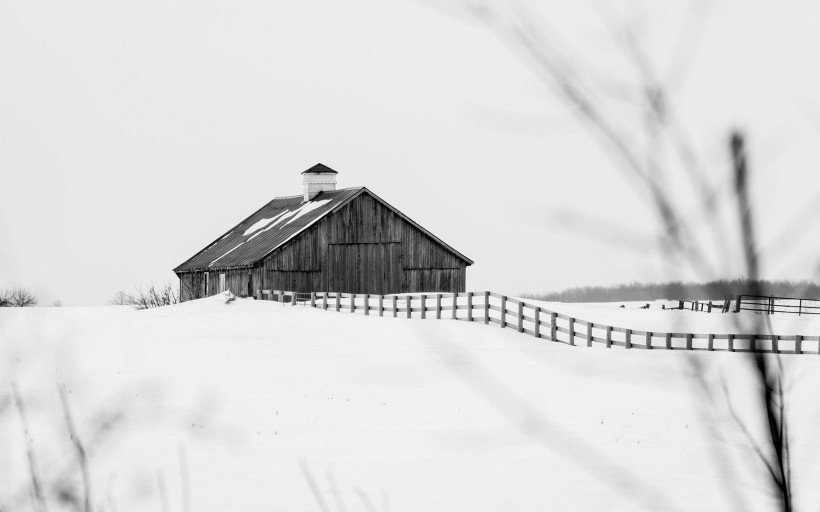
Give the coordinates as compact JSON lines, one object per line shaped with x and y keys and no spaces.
{"x":17,"y":298}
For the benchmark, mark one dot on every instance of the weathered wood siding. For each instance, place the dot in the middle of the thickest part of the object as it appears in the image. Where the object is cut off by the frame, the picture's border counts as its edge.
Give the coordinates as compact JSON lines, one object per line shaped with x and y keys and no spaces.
{"x":364,"y":247}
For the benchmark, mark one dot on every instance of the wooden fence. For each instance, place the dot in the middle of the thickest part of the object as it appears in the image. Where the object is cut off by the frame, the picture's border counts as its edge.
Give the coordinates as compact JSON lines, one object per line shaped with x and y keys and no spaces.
{"x":707,"y":306}
{"x":494,"y":309}
{"x":771,"y":305}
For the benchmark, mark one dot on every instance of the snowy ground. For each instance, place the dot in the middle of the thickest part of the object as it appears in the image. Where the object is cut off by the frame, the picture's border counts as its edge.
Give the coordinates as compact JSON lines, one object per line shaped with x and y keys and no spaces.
{"x":254,"y":405}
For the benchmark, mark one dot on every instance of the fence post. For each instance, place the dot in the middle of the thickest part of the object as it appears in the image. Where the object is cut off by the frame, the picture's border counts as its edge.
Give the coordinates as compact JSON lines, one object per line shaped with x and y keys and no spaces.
{"x":710,"y":343}
{"x":455,"y":305}
{"x":324,"y":300}
{"x":571,"y":331}
{"x":293,"y":299}
{"x":409,"y":306}
{"x":367,"y":304}
{"x":553,"y":326}
{"x":503,"y":311}
{"x":486,"y":307}
{"x":520,"y":317}
{"x":395,"y":307}
{"x":669,"y":341}
{"x":737,"y":303}
{"x":589,"y":334}
{"x":800,"y":308}
{"x":798,"y":344}
{"x":381,"y":305}
{"x":680,"y":305}
{"x":710,"y":307}
{"x":628,"y":339}
{"x":537,"y":322}
{"x":689,"y":341}
{"x":258,"y":294}
{"x":313,"y":299}
{"x":423,"y":306}
{"x":608,"y":336}
{"x":338,"y":301}
{"x":775,"y":343}
{"x":648,"y":339}
{"x":438,"y":306}
{"x":469,"y":306}
{"x":731,"y":343}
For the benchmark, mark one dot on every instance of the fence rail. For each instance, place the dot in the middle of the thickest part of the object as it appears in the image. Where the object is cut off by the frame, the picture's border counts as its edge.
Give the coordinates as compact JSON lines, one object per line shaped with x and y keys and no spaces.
{"x":494,"y":309}
{"x":771,"y":305}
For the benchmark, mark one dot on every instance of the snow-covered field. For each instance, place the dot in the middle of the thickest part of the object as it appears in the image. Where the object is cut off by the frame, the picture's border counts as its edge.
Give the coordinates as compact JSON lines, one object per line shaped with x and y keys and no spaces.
{"x":252,"y":405}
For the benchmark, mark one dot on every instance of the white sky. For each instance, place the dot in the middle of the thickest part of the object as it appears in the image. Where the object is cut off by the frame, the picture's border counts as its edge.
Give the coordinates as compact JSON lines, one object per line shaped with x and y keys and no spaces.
{"x":133,"y":134}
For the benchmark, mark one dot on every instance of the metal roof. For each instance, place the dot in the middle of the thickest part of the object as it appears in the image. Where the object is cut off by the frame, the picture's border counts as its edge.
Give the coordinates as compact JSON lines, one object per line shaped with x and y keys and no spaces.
{"x":320,"y":169}
{"x":274,"y":224}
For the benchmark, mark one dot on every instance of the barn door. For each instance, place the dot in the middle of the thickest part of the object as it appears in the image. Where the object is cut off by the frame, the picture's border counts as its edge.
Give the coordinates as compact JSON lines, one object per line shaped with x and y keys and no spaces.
{"x":365,"y":268}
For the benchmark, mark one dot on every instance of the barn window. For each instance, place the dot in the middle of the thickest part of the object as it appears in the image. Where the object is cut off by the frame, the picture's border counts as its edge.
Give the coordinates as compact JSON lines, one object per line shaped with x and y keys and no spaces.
{"x":221,"y":283}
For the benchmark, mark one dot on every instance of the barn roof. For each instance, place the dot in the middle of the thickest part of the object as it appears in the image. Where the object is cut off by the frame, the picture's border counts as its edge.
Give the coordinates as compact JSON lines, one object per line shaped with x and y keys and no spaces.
{"x":276,"y":223}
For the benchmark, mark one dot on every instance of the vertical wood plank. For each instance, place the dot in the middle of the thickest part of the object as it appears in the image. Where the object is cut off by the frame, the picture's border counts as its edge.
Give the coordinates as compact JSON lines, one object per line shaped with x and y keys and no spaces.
{"x":798,"y":344}
{"x":367,"y":304}
{"x":775,"y":343}
{"x":469,"y":306}
{"x":423,"y":307}
{"x":537,"y":331}
{"x":710,"y":342}
{"x":731,"y":343}
{"x":648,"y":340}
{"x":486,"y":307}
{"x":395,"y":307}
{"x":554,"y":326}
{"x":608,"y":336}
{"x":352,"y":302}
{"x":520,"y":317}
{"x":381,"y":305}
{"x":669,"y":341}
{"x":438,"y":306}
{"x":455,"y":305}
{"x":571,"y":331}
{"x":409,"y":300}
{"x":338,"y":301}
{"x":293,"y":298}
{"x":689,"y":341}
{"x":628,"y":339}
{"x":589,"y":334}
{"x":313,"y":299}
{"x":324,"y":300}
{"x":503,"y":311}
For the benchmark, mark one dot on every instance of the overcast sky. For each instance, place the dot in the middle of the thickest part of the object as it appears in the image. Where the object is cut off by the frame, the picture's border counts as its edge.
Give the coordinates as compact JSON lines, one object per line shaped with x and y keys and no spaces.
{"x":134,"y":133}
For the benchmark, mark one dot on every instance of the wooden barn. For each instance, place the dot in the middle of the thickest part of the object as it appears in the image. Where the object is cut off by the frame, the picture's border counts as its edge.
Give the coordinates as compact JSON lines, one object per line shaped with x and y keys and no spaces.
{"x":347,"y":240}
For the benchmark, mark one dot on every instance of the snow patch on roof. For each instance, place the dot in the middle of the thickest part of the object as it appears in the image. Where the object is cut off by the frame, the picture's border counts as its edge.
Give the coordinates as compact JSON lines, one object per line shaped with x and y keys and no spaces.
{"x":307,"y":208}
{"x":227,"y":253}
{"x":261,"y":224}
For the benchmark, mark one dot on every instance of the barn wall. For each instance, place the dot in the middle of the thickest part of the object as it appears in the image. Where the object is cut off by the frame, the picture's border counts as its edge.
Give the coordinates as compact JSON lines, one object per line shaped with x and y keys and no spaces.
{"x":192,"y":284}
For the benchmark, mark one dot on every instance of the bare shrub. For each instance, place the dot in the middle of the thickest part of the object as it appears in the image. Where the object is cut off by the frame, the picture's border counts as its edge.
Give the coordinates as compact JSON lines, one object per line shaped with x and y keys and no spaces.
{"x":145,"y":298}
{"x":17,"y":298}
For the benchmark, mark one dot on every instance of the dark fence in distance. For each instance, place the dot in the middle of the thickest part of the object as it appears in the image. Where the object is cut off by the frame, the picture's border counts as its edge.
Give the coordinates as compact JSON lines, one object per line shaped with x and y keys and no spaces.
{"x":771,"y":305}
{"x":707,"y":306}
{"x":492,"y":308}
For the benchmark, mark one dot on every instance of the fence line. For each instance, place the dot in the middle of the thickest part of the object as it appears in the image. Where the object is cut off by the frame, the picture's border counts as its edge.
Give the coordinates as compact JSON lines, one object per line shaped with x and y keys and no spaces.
{"x":494,"y":309}
{"x":770,"y":304}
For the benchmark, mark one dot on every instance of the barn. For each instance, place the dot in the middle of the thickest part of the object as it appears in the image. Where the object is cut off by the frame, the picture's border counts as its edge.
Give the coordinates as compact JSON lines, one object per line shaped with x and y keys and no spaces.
{"x":347,"y":240}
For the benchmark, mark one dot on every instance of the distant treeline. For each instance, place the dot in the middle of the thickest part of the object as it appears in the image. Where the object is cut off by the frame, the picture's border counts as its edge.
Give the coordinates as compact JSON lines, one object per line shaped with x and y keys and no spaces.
{"x":713,"y":290}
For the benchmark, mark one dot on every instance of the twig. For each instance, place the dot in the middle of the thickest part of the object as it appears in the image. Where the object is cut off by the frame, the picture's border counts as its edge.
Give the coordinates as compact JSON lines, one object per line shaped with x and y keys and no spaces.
{"x":82,"y":459}
{"x":314,"y":488}
{"x":38,"y":500}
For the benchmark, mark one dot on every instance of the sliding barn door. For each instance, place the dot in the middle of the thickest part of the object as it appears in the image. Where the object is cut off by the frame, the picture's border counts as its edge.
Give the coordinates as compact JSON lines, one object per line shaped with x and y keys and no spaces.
{"x":365,"y":268}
